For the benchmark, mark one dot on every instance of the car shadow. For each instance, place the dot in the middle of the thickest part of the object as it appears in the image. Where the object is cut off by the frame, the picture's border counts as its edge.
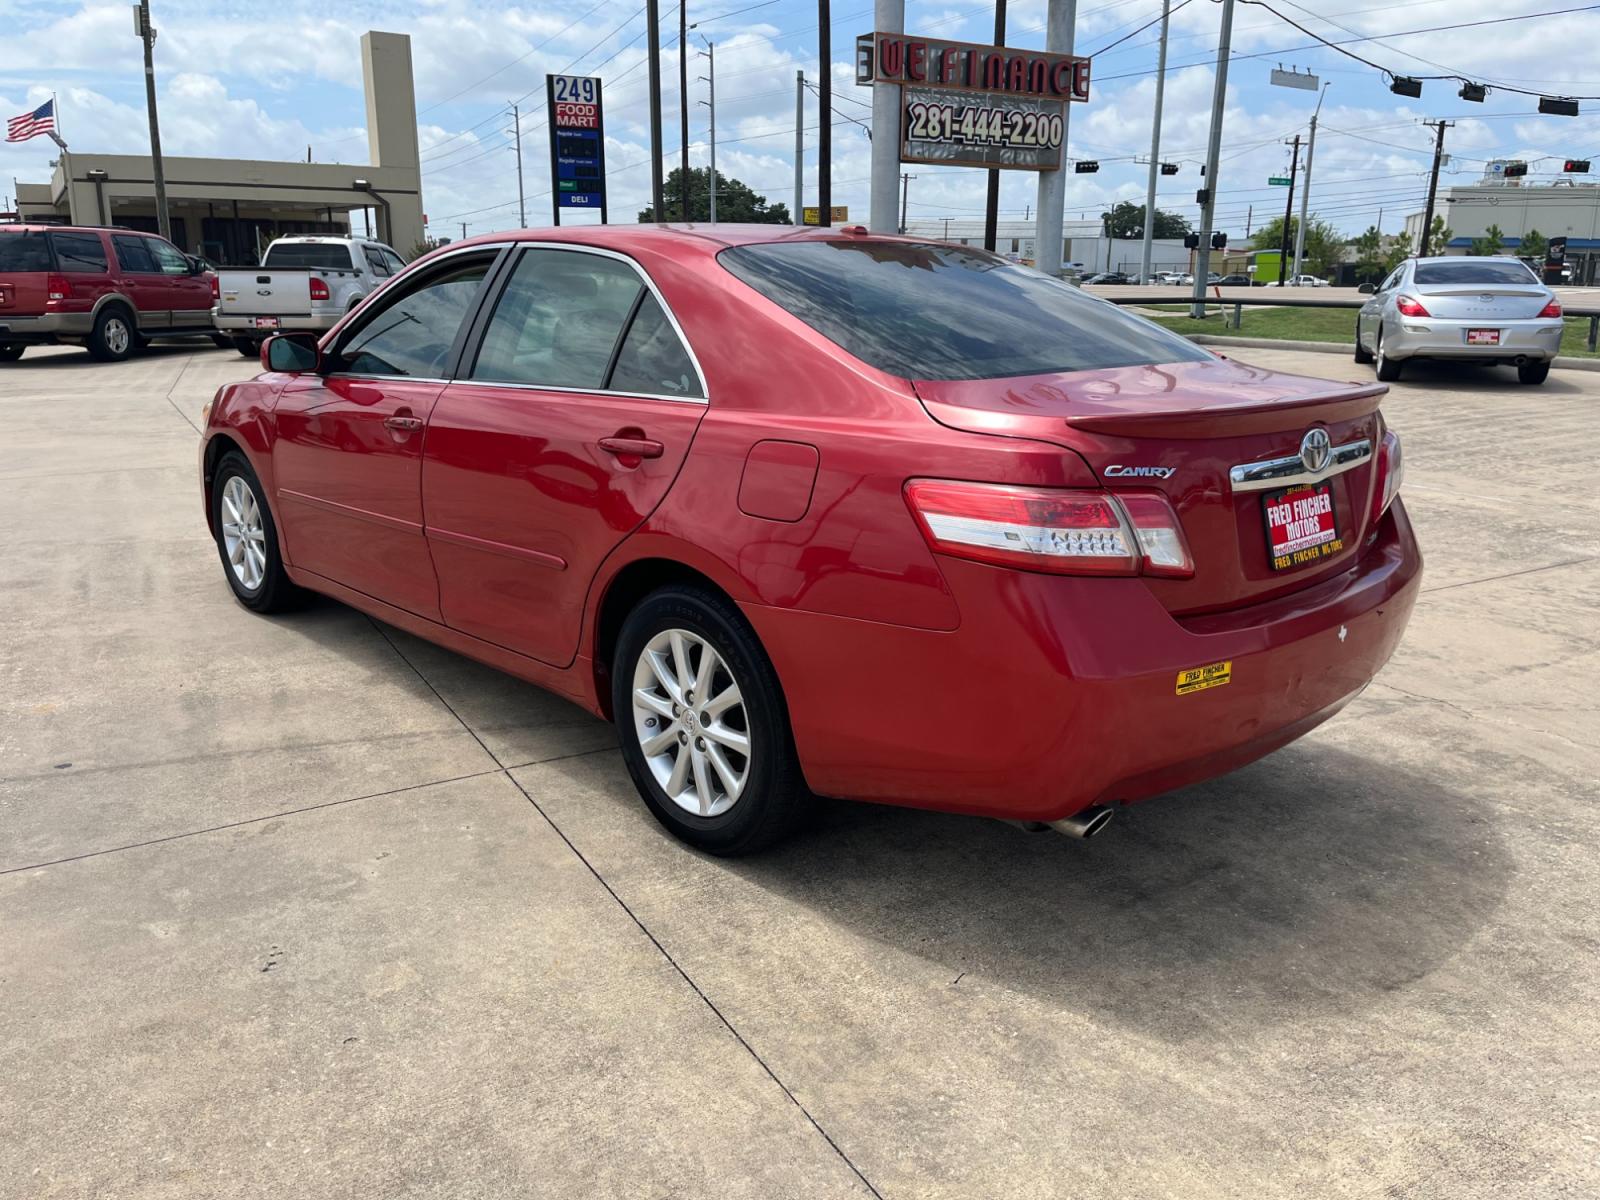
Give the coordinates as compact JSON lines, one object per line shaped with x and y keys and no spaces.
{"x":1444,"y":373}
{"x":76,"y":358}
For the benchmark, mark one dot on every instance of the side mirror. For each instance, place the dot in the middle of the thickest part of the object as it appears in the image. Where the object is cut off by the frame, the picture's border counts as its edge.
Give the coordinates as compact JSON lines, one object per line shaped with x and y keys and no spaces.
{"x":196,"y":267}
{"x":1366,"y":289}
{"x":293,"y":353}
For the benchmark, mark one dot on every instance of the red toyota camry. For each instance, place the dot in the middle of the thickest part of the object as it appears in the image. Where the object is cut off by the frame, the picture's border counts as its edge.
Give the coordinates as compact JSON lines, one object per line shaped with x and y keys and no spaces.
{"x":822,"y":512}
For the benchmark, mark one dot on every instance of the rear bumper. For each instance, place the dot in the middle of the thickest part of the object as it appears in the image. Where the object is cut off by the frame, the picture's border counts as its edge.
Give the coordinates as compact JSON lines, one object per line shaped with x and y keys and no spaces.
{"x":242,"y":323}
{"x":1433,"y":338}
{"x":1059,"y":693}
{"x":46,"y":329}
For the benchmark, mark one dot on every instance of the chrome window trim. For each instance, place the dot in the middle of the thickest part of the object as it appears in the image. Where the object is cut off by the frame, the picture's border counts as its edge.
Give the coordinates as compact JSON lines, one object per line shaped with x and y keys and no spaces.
{"x":1289,"y":470}
{"x":644,"y":278}
{"x":570,"y":391}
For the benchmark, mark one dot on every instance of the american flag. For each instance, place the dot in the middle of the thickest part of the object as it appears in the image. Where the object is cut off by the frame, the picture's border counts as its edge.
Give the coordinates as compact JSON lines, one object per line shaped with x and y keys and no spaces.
{"x":32,"y":124}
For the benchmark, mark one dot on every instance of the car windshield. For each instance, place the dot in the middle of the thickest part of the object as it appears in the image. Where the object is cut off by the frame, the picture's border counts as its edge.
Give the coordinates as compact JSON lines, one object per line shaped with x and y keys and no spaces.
{"x":23,"y":250}
{"x":329,"y":256}
{"x":1504,"y":270}
{"x":928,"y":311}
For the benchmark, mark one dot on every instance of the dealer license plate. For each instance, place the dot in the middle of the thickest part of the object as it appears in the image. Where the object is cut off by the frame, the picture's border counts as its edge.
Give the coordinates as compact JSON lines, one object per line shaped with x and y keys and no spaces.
{"x":1301,"y":527}
{"x":266,"y":322}
{"x":1483,"y":337}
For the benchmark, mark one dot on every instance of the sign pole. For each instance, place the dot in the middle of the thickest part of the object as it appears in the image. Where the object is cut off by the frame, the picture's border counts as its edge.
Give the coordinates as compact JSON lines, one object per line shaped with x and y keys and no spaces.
{"x":800,"y":142}
{"x":653,"y":32}
{"x":1288,"y":216}
{"x":825,"y":112}
{"x":555,"y":172}
{"x":1208,"y":194}
{"x":991,"y":206}
{"x":889,"y":16}
{"x":1049,"y":232}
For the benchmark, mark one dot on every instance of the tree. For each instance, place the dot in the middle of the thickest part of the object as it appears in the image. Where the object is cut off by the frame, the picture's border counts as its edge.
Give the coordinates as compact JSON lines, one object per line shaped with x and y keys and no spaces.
{"x":1399,"y":250}
{"x":1534,"y":245}
{"x":1323,"y":247}
{"x":1490,"y":243}
{"x":1368,"y":250}
{"x":1439,"y":236}
{"x":735,"y":200}
{"x":1126,"y":220}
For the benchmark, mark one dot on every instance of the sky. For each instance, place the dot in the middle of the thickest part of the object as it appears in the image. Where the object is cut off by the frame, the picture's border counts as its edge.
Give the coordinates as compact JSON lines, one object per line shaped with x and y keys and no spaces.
{"x":255,"y":80}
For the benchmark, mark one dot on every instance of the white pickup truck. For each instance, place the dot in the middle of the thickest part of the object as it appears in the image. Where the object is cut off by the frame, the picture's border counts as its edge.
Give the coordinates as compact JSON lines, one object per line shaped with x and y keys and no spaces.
{"x":303,"y":283}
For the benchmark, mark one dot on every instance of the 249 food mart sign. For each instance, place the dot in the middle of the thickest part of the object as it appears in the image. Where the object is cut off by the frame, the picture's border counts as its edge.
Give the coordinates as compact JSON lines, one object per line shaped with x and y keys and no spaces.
{"x":965,"y":104}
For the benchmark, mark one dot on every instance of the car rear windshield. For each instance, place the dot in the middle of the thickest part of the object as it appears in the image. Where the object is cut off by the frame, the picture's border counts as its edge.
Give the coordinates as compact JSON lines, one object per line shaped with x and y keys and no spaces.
{"x":927,"y":311}
{"x":23,"y":250}
{"x":327,"y":256}
{"x":1506,"y":270}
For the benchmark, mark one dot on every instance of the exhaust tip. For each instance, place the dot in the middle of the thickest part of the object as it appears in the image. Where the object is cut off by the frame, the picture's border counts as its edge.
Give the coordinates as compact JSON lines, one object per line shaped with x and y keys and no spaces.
{"x":1085,"y":824}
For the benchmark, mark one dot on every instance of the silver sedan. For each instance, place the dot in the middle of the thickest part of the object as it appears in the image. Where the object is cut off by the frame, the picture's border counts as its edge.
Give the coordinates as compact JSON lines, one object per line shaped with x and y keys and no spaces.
{"x":1485,"y":310}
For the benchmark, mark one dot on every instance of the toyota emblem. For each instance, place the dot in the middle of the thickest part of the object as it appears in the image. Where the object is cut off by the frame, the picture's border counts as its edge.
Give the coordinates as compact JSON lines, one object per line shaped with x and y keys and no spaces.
{"x":1315,"y":450}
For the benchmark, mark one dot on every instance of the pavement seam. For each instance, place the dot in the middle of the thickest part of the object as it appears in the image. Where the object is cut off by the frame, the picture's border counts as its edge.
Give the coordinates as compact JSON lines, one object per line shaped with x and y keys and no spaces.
{"x":288,"y":812}
{"x":184,"y":370}
{"x":632,"y":916}
{"x":1571,"y":562}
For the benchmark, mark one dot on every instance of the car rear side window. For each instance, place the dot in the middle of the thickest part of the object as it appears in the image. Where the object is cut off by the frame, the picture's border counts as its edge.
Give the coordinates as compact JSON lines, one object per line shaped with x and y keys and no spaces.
{"x":412,"y":335}
{"x":652,"y":359}
{"x":1470,"y":271}
{"x":377,"y":262}
{"x":82,"y":252}
{"x":929,"y":311}
{"x":324,"y":256}
{"x":558,"y":320}
{"x":23,"y":250}
{"x":134,"y":254}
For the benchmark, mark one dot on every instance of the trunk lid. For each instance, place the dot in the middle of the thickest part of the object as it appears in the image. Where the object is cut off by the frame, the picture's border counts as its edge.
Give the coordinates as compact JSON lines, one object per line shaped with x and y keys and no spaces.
{"x":1486,"y":302}
{"x":258,"y":292}
{"x":1179,"y":429}
{"x":25,"y":265}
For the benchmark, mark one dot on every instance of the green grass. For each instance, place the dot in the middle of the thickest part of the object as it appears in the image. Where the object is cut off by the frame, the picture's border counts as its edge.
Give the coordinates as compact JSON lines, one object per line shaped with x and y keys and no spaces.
{"x":1313,"y":325}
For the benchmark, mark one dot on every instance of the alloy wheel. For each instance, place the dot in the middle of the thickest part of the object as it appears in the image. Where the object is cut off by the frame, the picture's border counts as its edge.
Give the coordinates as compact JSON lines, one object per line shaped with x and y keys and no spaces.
{"x":689,"y":716}
{"x":244,"y":536}
{"x":117,"y":336}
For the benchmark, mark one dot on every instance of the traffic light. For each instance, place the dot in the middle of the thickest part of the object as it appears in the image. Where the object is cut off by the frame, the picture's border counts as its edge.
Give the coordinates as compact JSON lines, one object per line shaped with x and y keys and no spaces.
{"x":1558,"y":106}
{"x":1191,"y":241}
{"x":1404,"y":85}
{"x":1203,"y":196}
{"x":1086,"y":166}
{"x":1576,"y":166}
{"x":1219,"y":241}
{"x":1169,"y":168}
{"x":1515,"y":170}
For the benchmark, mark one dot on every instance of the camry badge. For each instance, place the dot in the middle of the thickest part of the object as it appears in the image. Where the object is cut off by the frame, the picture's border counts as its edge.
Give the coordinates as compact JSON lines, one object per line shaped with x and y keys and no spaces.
{"x":1117,"y":471}
{"x":1316,"y":448}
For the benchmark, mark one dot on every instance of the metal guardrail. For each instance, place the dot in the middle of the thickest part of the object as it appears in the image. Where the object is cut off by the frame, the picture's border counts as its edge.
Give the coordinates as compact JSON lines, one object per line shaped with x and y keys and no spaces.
{"x":1237,"y":304}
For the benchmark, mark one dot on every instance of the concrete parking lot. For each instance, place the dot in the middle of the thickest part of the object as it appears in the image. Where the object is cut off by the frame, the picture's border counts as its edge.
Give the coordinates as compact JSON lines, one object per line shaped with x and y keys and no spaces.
{"x":303,"y":906}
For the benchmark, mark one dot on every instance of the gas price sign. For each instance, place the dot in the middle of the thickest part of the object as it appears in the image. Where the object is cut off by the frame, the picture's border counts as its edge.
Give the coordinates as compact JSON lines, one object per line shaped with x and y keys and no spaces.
{"x":577,"y":143}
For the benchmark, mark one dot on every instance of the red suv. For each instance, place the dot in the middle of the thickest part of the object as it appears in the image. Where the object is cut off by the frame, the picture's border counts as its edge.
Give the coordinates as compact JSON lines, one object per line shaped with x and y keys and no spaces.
{"x":820,"y":511}
{"x":111,"y":290}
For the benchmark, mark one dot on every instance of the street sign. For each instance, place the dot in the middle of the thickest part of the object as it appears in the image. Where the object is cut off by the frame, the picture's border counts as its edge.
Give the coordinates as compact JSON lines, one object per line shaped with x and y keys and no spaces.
{"x":577,"y":144}
{"x":839,"y":214}
{"x":1278,"y":180}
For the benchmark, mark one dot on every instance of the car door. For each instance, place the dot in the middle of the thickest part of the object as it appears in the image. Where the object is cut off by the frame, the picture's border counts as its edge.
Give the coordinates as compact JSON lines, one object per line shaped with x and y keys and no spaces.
{"x":347,"y":459}
{"x":1371,"y":313}
{"x":570,"y":420}
{"x":187,"y":293}
{"x":142,"y":281}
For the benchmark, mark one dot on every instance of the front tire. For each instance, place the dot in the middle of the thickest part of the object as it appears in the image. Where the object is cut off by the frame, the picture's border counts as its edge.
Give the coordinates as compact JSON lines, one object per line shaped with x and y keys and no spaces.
{"x":1387,"y":369}
{"x":221,"y":341}
{"x":113,"y":338}
{"x":11,"y":353}
{"x":703,"y":724}
{"x":1363,"y":355}
{"x":247,"y":539}
{"x":1533,"y":372}
{"x":248,"y":347}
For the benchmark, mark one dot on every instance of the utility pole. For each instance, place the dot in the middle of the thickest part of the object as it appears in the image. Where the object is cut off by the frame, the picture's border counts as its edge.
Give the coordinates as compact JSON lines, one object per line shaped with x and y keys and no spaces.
{"x":1061,"y":21}
{"x":799,"y":143}
{"x":463,"y":231}
{"x":1305,"y":192}
{"x":1155,"y":146}
{"x":147,"y":35}
{"x":991,"y":207}
{"x":652,"y":10}
{"x":905,"y":195}
{"x":1208,"y":194}
{"x":889,"y":17}
{"x":683,"y":108}
{"x":1433,"y":183}
{"x":711,"y":187}
{"x":1288,"y":215}
{"x":1249,"y":217}
{"x":522,"y":208}
{"x":825,"y":113}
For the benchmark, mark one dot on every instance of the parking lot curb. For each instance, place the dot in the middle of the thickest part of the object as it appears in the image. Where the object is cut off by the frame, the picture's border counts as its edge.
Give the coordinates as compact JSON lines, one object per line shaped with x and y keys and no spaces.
{"x":1562,"y":362}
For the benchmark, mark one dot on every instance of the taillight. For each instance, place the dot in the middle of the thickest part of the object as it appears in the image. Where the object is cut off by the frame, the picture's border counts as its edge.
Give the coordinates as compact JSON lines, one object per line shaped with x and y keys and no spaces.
{"x":1553,"y":309}
{"x":1060,"y":531}
{"x":1409,"y":306}
{"x":1389,"y":472}
{"x":59,"y":287}
{"x":319,"y":289}
{"x":216,"y":288}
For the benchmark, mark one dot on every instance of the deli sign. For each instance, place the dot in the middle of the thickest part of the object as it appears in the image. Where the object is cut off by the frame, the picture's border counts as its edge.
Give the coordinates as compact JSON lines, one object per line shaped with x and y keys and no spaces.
{"x":898,"y":58}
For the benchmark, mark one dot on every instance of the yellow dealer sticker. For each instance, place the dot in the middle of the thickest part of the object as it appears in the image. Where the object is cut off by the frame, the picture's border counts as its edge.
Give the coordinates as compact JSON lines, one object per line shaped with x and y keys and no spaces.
{"x":1198,"y":679}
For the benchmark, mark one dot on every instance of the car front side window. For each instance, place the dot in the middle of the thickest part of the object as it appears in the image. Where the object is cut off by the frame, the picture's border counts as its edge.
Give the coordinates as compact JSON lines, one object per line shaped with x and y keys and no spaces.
{"x":413,"y":334}
{"x":168,"y":258}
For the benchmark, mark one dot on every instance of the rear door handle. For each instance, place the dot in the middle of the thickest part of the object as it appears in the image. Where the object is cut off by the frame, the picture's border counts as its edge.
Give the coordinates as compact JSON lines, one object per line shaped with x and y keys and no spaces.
{"x":632,"y":447}
{"x":409,"y":424}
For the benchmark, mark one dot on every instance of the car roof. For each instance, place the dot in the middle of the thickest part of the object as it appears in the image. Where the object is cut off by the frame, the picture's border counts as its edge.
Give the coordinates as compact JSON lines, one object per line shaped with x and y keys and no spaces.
{"x":42,"y":227}
{"x":710,"y":238}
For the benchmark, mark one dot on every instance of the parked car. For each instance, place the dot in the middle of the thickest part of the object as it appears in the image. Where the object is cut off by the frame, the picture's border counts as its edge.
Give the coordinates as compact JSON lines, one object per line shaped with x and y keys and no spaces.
{"x":1486,"y":310}
{"x":819,"y":511}
{"x":1187,"y":278}
{"x":109,"y":290}
{"x":1109,"y":277}
{"x":303,"y":283}
{"x":1235,"y":280}
{"x":1300,"y":281}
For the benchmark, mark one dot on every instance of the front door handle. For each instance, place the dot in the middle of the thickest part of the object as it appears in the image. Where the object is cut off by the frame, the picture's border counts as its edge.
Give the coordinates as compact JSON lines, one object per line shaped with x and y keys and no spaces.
{"x":632,"y":447}
{"x":405,"y":424}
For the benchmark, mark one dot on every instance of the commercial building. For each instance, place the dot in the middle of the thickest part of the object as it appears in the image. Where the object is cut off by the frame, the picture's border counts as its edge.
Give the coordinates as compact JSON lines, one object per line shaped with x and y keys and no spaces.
{"x":1082,"y":242}
{"x":227,"y":210}
{"x":1569,"y":208}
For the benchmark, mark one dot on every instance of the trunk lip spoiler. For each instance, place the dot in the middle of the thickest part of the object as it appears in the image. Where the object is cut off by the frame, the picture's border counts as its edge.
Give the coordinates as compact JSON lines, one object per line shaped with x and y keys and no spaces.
{"x":1290,"y":469}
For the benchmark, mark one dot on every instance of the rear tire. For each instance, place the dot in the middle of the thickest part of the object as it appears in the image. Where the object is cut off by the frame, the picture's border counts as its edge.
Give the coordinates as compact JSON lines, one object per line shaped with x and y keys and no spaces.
{"x":1533,"y":372}
{"x":11,"y":353}
{"x":221,"y":341}
{"x":1386,"y":368}
{"x":728,"y":756}
{"x":248,"y":347}
{"x":247,"y":539}
{"x":113,"y":338}
{"x":1363,"y":355}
